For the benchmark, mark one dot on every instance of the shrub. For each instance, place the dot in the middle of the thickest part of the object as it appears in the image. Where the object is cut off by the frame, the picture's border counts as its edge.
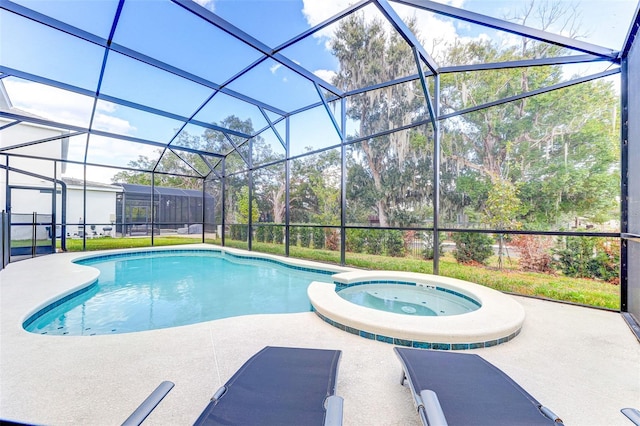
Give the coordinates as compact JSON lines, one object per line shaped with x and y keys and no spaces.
{"x":305,"y":236}
{"x":268,"y":234}
{"x":373,"y":241}
{"x":355,"y":240}
{"x":278,"y":234}
{"x":332,"y":239}
{"x":318,"y":238}
{"x":394,"y":243}
{"x":535,"y":254}
{"x":428,"y":251}
{"x":260,"y":234}
{"x":235,"y":231}
{"x":589,"y":257}
{"x":472,"y":247}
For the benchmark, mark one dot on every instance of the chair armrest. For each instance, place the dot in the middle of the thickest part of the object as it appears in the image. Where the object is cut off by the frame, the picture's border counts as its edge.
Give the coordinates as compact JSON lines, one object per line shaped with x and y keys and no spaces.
{"x":632,"y":414}
{"x":431,"y":408}
{"x":333,"y":408}
{"x":147,"y":406}
{"x":550,"y":414}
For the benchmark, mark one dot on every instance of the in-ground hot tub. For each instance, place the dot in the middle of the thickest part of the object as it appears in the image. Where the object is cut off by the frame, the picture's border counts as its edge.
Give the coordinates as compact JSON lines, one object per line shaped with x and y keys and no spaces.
{"x":497,"y":319}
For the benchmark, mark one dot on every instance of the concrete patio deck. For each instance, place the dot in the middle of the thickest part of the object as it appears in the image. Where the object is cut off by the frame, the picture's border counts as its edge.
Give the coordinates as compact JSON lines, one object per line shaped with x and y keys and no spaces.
{"x":582,"y":363}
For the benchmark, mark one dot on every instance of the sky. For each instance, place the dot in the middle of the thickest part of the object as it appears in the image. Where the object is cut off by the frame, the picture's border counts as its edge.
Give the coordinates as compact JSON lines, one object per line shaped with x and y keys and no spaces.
{"x":168,"y":33}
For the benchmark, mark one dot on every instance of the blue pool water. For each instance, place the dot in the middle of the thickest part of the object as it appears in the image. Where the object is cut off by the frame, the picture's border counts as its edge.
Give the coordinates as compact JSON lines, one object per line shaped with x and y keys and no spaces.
{"x":156,"y":290}
{"x":408,"y":299}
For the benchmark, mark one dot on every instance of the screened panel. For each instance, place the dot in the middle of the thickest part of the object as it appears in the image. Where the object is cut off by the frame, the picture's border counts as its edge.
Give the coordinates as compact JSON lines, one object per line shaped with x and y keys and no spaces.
{"x":94,"y":18}
{"x":269,"y":188}
{"x":312,"y":130}
{"x":121,"y":153}
{"x":364,"y":45}
{"x":455,"y":42}
{"x":222,"y":109}
{"x":390,"y":180}
{"x":614,"y":19}
{"x":49,"y":103}
{"x":385,"y":109}
{"x":47,"y":52}
{"x":203,"y":139}
{"x":243,"y":149}
{"x":267,"y":148}
{"x":135,"y":81}
{"x":545,"y":163}
{"x":100,"y":218}
{"x":278,"y":86}
{"x":193,"y":44}
{"x":179,"y":209}
{"x":469,"y":89}
{"x":44,"y":170}
{"x":269,"y":192}
{"x":213,"y":204}
{"x":55,"y":150}
{"x":378,"y":243}
{"x":179,"y":163}
{"x":264,"y":20}
{"x":125,"y":121}
{"x":236,"y":200}
{"x":315,"y":189}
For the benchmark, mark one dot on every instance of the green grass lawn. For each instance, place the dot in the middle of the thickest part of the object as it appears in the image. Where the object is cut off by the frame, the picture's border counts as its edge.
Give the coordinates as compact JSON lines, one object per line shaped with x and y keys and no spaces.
{"x":558,"y":287}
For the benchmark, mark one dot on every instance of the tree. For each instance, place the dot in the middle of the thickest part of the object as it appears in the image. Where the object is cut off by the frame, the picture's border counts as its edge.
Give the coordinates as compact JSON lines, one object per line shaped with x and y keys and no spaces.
{"x":383,"y":167}
{"x":315,"y":188}
{"x":242,"y":213}
{"x":559,"y":148}
{"x":502,"y":208}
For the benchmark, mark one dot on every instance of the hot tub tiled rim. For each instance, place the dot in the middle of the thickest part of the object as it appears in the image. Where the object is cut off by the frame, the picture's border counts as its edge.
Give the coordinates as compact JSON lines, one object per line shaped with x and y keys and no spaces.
{"x":499,"y":320}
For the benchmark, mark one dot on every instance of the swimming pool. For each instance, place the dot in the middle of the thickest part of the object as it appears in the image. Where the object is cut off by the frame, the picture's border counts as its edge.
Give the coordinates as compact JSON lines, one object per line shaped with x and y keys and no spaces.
{"x":160,"y":289}
{"x":410,"y":299}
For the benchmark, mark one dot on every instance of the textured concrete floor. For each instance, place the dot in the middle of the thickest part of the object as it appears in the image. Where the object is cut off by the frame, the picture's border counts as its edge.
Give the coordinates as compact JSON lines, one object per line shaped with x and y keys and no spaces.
{"x":582,"y":363}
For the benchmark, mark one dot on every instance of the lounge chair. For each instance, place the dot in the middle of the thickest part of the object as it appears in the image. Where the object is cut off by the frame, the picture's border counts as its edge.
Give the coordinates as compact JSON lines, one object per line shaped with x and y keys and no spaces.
{"x":464,"y":389}
{"x":147,"y":406}
{"x":632,"y":414}
{"x":279,"y":386}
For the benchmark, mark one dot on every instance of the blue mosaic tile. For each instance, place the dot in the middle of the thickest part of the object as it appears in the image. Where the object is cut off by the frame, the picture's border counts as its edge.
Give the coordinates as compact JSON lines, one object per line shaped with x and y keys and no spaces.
{"x":367,"y":335}
{"x":402,"y":342}
{"x":386,"y":339}
{"x":459,"y":346}
{"x":351,"y":330}
{"x":55,"y":304}
{"x":441,"y":346}
{"x":417,"y":344}
{"x":199,"y":252}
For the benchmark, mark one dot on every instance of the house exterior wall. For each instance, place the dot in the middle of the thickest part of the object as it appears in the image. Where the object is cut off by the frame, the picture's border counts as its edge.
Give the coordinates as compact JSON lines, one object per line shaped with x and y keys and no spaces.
{"x":101,"y":210}
{"x":16,"y":135}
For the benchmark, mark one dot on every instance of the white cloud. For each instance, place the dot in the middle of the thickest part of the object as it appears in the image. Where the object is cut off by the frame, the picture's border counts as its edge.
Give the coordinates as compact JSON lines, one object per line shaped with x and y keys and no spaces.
{"x":326,"y":75}
{"x":317,"y":11}
{"x":275,"y":68}
{"x":113,"y":124}
{"x":65,"y":107}
{"x":49,"y":102}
